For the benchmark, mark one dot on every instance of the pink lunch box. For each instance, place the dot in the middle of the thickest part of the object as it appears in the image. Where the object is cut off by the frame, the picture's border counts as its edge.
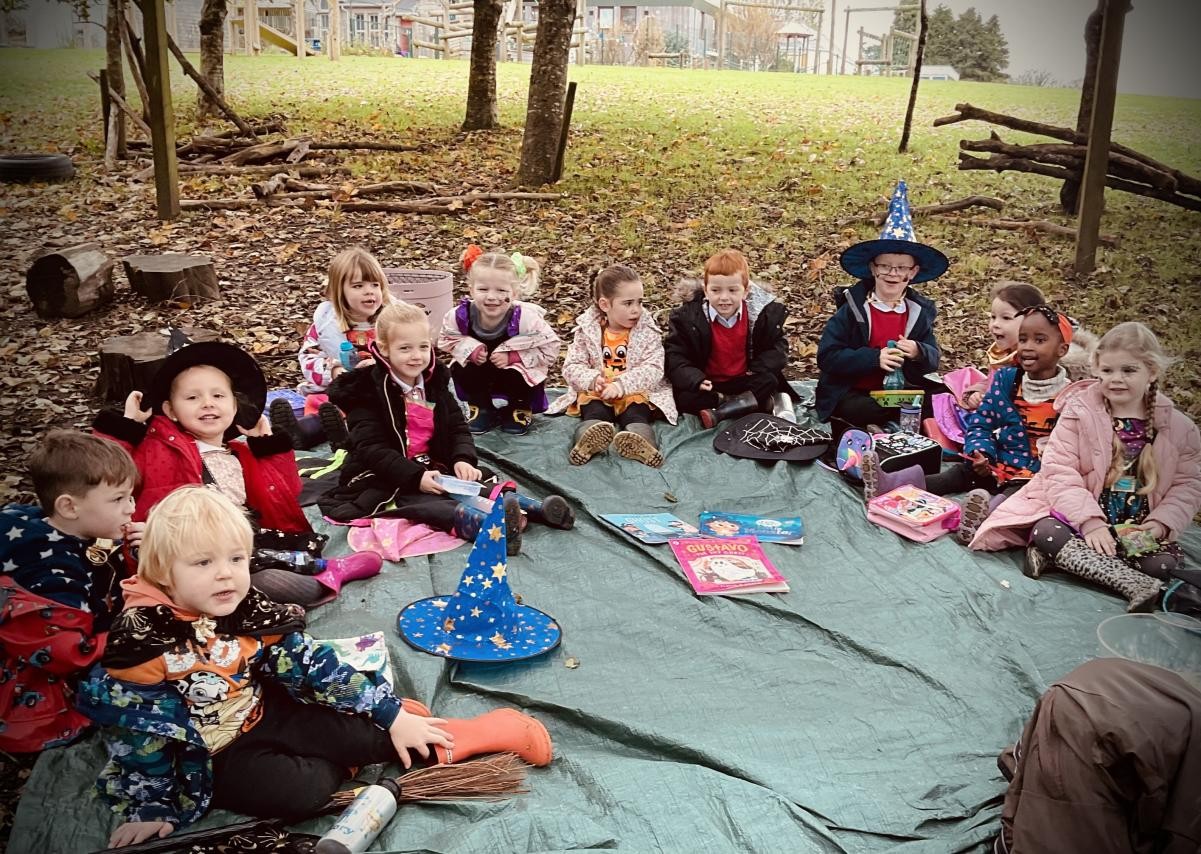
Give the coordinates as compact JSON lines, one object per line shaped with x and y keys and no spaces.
{"x":914,"y":513}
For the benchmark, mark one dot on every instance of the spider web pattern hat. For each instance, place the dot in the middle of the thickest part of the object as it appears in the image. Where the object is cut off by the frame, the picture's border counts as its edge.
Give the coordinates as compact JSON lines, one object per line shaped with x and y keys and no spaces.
{"x":482,"y":620}
{"x":768,"y":437}
{"x":896,"y":236}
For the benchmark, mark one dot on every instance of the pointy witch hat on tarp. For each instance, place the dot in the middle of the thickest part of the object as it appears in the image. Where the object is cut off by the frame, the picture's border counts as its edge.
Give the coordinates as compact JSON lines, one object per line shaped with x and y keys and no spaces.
{"x":481,"y":621}
{"x":896,"y":236}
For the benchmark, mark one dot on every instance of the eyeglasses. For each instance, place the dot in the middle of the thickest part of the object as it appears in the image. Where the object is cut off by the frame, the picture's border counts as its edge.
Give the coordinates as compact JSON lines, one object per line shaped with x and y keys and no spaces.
{"x":888,"y":269}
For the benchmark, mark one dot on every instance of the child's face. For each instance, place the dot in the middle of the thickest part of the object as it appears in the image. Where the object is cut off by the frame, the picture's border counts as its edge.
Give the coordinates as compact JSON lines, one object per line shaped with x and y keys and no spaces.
{"x":892,"y":272}
{"x":202,"y":402}
{"x":408,"y":350}
{"x":725,"y":293}
{"x":211,"y":579}
{"x":1003,"y":324}
{"x":362,"y":297}
{"x":102,"y":512}
{"x":492,"y":292}
{"x":1040,"y":346}
{"x":1124,"y":378}
{"x":624,"y":309}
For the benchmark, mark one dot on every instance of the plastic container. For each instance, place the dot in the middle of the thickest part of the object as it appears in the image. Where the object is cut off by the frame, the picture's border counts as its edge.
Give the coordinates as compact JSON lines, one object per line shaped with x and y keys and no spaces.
{"x":457,"y":486}
{"x":433,"y":290}
{"x":911,"y":419}
{"x":362,"y":821}
{"x":1170,"y":641}
{"x":894,"y":379}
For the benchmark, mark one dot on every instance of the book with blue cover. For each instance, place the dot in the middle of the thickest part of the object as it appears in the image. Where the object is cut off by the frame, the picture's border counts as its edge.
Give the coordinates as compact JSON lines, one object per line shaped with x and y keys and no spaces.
{"x":651,"y":528}
{"x":789,"y":530}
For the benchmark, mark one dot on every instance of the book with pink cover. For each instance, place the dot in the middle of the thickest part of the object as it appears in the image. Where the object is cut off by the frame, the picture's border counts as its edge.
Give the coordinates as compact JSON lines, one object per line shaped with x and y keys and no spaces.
{"x":727,"y":567}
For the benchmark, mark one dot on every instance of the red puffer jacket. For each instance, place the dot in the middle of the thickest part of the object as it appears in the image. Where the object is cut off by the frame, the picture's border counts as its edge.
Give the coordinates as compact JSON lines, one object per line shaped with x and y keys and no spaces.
{"x":168,"y":458}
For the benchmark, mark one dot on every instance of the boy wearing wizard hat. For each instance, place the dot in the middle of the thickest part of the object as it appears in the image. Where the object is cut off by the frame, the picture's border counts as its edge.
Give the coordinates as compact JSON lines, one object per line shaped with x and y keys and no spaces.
{"x":854,"y":354}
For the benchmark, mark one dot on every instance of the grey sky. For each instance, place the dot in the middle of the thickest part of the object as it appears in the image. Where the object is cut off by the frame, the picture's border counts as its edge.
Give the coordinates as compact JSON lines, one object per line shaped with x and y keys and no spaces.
{"x":1160,"y":54}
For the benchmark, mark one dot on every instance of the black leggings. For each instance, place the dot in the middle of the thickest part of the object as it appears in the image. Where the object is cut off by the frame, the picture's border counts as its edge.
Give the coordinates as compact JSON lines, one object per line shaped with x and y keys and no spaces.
{"x":635,"y":413}
{"x":1050,"y":535}
{"x":479,"y":384}
{"x":294,"y":759}
{"x":763,"y":386}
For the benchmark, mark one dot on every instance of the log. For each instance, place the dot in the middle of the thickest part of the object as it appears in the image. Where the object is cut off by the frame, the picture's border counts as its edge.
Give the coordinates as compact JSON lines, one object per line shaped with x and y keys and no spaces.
{"x":263,"y":151}
{"x":120,"y":102}
{"x":1186,"y":183}
{"x":364,"y":144}
{"x":432,"y":205}
{"x":270,"y":169}
{"x":129,"y":362}
{"x":1003,"y":162}
{"x":137,"y":68}
{"x":1060,"y":154}
{"x":281,"y":182}
{"x":299,"y":152}
{"x":173,"y":276}
{"x":929,"y":210}
{"x":1040,"y":225}
{"x":70,"y":282}
{"x":273,"y":185}
{"x":209,"y":90}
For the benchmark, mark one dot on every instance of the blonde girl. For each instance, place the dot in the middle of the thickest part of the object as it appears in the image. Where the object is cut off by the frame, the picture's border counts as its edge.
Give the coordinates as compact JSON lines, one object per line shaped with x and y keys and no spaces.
{"x":500,"y":346}
{"x":614,"y":371}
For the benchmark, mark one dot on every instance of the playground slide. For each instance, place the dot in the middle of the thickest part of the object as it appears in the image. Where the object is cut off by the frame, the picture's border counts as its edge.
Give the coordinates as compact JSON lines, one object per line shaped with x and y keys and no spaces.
{"x":273,"y":36}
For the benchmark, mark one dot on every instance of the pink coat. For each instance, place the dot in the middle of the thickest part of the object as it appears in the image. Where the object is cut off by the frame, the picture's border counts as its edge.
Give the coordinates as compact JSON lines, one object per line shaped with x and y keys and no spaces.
{"x":1076,"y":461}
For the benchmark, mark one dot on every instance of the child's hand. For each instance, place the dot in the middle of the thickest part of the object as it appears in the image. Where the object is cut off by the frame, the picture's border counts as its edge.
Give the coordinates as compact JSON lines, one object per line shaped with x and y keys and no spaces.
{"x":133,"y":533}
{"x":1155,"y":529}
{"x":430,"y":485}
{"x":466,"y":471}
{"x":611,"y":391}
{"x":980,"y":463}
{"x":501,"y":360}
{"x":134,"y":410}
{"x":972,"y":399}
{"x":598,"y":385}
{"x":891,"y":358}
{"x":262,"y":428}
{"x":706,"y":385}
{"x":133,"y":832}
{"x":1101,"y":541}
{"x":908,"y":347}
{"x":413,"y":732}
{"x":479,"y":355}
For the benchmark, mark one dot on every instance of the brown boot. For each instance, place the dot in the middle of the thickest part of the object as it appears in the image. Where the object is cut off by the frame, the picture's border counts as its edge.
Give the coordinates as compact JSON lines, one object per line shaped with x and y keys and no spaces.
{"x":637,"y":442}
{"x":591,"y":437}
{"x":499,"y":731}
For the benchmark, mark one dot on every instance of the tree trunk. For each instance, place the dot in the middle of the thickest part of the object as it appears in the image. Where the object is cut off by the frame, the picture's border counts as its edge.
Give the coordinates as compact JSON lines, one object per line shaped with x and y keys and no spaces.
{"x":112,"y":64}
{"x":548,"y":87}
{"x":916,"y":65}
{"x":1070,"y":192}
{"x":481,"y":81}
{"x":212,"y":55}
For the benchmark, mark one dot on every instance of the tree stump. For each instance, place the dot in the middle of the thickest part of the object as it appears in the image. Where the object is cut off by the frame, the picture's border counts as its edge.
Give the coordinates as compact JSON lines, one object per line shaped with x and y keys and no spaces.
{"x":70,"y":282}
{"x":129,"y":362}
{"x":172,"y":276}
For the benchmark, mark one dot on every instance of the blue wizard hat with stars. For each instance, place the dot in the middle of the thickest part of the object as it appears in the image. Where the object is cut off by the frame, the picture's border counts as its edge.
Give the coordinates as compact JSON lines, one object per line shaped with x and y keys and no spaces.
{"x":482,"y":620}
{"x":896,"y":236}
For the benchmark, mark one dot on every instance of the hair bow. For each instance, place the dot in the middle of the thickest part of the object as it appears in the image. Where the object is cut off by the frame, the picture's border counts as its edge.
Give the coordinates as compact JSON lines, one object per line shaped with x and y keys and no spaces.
{"x":469,"y":256}
{"x":518,"y":264}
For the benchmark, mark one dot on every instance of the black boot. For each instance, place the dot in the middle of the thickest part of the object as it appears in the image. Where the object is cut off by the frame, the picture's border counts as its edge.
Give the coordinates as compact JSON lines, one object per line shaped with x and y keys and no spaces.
{"x":334,"y":426}
{"x":552,"y":511}
{"x":305,"y":432}
{"x":731,"y":407}
{"x":513,"y":524}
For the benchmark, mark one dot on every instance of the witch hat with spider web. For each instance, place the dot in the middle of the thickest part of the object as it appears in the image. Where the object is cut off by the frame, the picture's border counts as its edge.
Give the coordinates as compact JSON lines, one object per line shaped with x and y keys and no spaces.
{"x":767,"y":437}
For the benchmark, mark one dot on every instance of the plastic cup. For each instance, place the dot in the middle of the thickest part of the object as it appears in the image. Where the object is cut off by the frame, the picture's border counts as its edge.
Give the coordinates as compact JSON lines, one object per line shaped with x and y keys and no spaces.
{"x":1173,"y":644}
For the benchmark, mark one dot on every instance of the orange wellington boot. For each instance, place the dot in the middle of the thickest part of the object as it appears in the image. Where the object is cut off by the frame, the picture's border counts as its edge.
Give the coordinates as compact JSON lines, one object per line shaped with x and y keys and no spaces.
{"x":415,"y":707}
{"x":499,"y":731}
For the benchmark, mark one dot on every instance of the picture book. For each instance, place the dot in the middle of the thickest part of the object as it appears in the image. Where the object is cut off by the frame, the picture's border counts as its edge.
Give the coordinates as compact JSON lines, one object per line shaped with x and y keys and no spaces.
{"x":727,"y":567}
{"x":789,"y":530}
{"x":651,"y":528}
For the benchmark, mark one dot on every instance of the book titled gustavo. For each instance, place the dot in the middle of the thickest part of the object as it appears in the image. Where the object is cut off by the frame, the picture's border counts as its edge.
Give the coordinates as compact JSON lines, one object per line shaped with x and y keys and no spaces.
{"x":728,"y":567}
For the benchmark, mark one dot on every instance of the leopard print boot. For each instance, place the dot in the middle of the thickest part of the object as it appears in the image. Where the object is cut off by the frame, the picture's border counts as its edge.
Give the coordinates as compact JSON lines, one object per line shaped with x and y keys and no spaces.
{"x":1140,"y":590}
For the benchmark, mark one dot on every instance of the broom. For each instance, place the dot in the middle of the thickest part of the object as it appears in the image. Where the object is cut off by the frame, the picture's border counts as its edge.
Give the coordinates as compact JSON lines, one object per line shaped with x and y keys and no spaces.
{"x":492,"y":778}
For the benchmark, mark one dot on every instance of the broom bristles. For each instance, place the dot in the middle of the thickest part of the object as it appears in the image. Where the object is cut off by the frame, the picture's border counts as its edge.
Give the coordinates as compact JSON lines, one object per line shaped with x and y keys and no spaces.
{"x":492,"y":778}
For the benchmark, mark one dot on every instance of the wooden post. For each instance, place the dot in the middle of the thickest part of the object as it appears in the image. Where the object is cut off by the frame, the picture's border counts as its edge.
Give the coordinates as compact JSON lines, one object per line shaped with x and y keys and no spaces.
{"x":858,"y":66}
{"x":162,"y":114}
{"x":298,"y":19}
{"x":846,"y":31}
{"x":568,"y":106}
{"x":833,"y":23}
{"x":1096,"y":162}
{"x":334,"y":37}
{"x":721,"y":34}
{"x":254,"y":40}
{"x":106,"y":103}
{"x":817,"y":41}
{"x":581,"y":54}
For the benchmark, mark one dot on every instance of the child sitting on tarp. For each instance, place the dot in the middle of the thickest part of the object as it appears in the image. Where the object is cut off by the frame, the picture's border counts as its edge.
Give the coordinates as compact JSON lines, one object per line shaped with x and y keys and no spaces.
{"x":854,"y":354}
{"x":212,"y":695}
{"x":59,"y":590}
{"x":200,"y":404}
{"x":407,"y":432}
{"x":1005,"y":434}
{"x":726,"y":349}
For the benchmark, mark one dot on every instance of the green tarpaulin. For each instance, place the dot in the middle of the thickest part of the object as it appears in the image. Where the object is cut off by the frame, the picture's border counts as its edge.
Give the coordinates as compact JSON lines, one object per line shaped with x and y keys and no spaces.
{"x":861,"y":712}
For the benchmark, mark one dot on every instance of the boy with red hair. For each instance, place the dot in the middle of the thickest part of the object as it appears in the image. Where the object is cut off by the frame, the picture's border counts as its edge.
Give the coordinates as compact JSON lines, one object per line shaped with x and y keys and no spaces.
{"x":726,"y":349}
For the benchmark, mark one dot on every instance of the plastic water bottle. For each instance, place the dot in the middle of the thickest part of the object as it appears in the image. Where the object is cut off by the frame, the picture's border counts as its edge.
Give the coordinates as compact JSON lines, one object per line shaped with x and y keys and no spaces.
{"x":299,"y":562}
{"x":894,"y":380}
{"x":911,"y":417}
{"x":362,"y":821}
{"x":348,"y":355}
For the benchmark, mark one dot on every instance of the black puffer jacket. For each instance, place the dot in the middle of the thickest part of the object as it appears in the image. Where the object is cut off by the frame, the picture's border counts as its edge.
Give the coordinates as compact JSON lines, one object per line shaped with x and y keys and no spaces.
{"x":378,"y":468}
